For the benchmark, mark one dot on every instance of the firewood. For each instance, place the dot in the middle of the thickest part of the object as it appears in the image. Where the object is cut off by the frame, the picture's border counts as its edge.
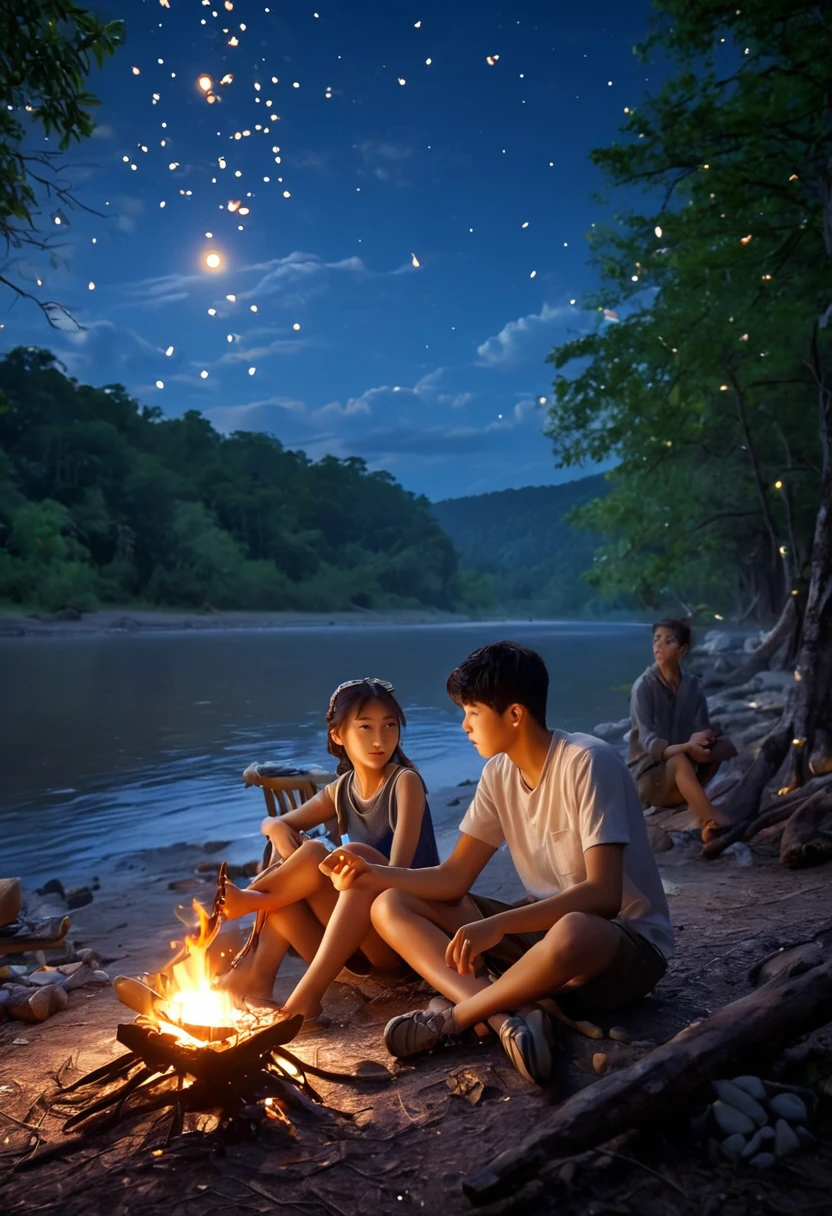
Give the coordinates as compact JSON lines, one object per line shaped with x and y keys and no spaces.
{"x":663,"y":1080}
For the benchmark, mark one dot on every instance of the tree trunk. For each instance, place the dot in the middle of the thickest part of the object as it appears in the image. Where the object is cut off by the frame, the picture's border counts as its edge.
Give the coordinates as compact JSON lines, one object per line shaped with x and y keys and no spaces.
{"x":660,"y":1082}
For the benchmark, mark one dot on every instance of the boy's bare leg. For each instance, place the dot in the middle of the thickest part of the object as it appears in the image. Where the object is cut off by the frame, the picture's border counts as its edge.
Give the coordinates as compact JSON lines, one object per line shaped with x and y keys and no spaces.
{"x":575,"y":950}
{"x":419,"y":931}
{"x":722,"y":750}
{"x":684,"y":775}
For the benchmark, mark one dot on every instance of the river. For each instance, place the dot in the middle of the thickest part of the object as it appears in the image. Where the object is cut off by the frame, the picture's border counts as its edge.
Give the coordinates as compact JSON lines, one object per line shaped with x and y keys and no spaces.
{"x":116,"y":743}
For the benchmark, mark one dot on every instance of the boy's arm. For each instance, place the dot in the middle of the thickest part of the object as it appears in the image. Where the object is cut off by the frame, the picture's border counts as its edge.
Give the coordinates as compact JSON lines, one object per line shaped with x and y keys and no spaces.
{"x":641,"y":713}
{"x":599,"y":894}
{"x":448,"y":881}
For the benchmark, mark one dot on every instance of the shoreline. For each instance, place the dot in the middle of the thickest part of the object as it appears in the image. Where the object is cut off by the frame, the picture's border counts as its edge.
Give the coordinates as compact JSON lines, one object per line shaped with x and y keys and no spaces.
{"x":148,"y":621}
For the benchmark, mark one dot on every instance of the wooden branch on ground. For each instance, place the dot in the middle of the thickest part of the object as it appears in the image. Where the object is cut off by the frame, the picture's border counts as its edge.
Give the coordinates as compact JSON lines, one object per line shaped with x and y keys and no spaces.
{"x":664,"y":1079}
{"x":773,"y":812}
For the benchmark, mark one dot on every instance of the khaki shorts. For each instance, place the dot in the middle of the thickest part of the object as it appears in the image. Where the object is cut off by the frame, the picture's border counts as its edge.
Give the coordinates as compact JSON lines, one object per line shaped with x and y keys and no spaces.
{"x":656,"y":786}
{"x":636,"y":968}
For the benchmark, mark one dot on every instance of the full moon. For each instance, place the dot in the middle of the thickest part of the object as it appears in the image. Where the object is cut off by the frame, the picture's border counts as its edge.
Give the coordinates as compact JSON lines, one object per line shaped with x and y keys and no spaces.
{"x":213,"y":261}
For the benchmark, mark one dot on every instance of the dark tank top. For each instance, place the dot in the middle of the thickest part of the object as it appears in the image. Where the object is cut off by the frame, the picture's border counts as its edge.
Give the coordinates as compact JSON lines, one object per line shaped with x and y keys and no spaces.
{"x":375,"y":824}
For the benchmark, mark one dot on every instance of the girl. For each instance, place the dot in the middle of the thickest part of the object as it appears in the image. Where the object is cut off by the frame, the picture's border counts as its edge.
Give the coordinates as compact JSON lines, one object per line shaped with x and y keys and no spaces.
{"x":378,"y":801}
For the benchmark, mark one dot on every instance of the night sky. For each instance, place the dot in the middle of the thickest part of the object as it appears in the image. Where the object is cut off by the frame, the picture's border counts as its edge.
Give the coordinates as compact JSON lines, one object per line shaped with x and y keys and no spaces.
{"x":418,"y":193}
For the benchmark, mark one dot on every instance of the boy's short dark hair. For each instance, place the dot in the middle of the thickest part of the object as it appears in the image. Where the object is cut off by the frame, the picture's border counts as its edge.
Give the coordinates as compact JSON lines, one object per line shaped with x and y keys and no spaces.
{"x":499,"y":675}
{"x":680,"y":629}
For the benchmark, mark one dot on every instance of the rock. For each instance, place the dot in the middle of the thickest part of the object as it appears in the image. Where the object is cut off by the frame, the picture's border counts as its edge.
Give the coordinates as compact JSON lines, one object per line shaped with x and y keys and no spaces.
{"x":805,"y":1138}
{"x":619,"y":1035}
{"x":785,"y":1141}
{"x":79,"y":897}
{"x":753,"y":643}
{"x":731,"y":1121}
{"x":751,"y":1085}
{"x":53,"y":887}
{"x":763,"y":1161}
{"x":732,"y":1148}
{"x":716,"y":641}
{"x":788,"y":1106}
{"x":671,"y":888}
{"x":28,"y":1005}
{"x":755,"y":1145}
{"x":600,"y":1063}
{"x":611,"y":731}
{"x":660,"y":840}
{"x":740,"y":1100}
{"x":740,"y":852}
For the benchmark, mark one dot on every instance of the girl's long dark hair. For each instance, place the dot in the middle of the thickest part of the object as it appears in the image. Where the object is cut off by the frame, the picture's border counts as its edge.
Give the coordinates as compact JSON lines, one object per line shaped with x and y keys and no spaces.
{"x":350,"y":701}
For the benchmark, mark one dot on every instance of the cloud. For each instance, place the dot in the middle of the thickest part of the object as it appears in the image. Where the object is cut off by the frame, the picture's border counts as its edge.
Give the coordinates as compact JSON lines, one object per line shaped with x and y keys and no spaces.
{"x":384,"y":160}
{"x":253,"y":414}
{"x":505,"y":348}
{"x":521,"y":411}
{"x":104,"y":130}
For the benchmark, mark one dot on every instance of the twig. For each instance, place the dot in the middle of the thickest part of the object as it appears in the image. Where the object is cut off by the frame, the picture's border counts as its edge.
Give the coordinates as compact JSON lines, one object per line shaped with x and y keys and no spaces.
{"x":26,"y":1127}
{"x":789,"y":895}
{"x":635,"y":1161}
{"x":412,"y":1118}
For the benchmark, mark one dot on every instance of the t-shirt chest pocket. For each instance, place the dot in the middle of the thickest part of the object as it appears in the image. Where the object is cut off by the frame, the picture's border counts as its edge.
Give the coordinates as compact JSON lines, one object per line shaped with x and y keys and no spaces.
{"x":566,"y":856}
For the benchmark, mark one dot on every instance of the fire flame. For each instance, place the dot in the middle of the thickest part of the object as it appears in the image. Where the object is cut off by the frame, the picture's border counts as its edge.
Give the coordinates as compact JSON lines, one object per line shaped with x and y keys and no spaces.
{"x":191,"y":998}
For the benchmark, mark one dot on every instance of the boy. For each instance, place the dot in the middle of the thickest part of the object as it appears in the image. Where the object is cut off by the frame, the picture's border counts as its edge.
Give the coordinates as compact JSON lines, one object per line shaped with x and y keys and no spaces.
{"x":596,"y":930}
{"x":674,"y":752}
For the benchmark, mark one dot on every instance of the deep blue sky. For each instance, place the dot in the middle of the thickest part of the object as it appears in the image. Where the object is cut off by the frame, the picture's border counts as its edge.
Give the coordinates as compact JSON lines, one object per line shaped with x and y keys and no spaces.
{"x":478,"y":169}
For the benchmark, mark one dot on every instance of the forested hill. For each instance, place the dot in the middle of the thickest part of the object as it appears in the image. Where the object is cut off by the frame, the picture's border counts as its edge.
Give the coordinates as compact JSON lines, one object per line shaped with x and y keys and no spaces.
{"x":105,"y":500}
{"x":520,"y":539}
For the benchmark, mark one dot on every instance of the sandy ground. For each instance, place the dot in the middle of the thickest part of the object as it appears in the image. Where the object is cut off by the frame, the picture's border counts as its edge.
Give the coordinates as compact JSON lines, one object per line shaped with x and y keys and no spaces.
{"x":407,"y":1144}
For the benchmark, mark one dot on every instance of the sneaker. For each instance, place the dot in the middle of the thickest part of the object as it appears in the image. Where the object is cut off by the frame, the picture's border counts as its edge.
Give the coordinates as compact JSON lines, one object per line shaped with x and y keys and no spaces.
{"x":528,"y":1042}
{"x":409,"y":1034}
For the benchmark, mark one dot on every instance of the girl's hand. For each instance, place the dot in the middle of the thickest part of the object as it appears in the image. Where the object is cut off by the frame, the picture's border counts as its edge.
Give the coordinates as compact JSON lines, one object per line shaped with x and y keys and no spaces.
{"x":344,"y":869}
{"x":236,"y":903}
{"x":285,"y":839}
{"x":469,"y":942}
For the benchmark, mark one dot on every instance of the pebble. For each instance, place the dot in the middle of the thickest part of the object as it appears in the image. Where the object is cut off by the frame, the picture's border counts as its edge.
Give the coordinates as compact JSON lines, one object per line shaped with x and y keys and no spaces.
{"x":751,"y":1085}
{"x":763,"y":1161}
{"x":755,"y":1144}
{"x":785,"y":1141}
{"x":731,"y":1121}
{"x":805,"y":1137}
{"x":732,"y":1148}
{"x":619,"y":1035}
{"x":601,"y":1063}
{"x":789,"y":1106}
{"x":740,"y":1100}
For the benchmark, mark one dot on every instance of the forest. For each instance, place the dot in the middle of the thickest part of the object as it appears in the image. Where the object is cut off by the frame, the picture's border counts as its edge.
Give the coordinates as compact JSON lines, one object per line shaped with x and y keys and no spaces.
{"x":103,"y":500}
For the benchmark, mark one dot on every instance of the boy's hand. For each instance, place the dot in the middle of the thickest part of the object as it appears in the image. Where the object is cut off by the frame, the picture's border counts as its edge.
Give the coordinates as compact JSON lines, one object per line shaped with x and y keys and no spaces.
{"x":469,"y":942}
{"x":345,"y":869}
{"x":702,"y":738}
{"x":698,"y":753}
{"x":285,"y":839}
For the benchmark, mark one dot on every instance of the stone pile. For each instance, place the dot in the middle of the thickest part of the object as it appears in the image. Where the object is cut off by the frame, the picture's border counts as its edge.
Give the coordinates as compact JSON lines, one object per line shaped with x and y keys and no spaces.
{"x":755,"y":1122}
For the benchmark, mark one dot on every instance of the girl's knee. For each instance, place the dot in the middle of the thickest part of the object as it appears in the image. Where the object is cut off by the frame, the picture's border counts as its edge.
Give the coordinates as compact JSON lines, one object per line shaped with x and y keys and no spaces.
{"x":313,"y":850}
{"x":388,"y":907}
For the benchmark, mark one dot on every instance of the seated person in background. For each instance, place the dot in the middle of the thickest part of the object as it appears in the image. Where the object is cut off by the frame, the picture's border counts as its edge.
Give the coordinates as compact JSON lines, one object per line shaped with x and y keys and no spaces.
{"x":379,"y":802}
{"x":674,"y":752}
{"x":596,"y":930}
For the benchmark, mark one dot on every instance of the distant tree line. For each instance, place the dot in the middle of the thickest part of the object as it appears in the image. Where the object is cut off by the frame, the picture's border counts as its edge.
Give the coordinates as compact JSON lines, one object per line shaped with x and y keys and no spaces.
{"x":105,"y":500}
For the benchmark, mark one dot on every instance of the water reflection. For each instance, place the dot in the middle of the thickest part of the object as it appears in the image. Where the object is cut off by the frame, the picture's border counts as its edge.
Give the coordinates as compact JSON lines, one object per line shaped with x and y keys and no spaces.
{"x":122,"y":742}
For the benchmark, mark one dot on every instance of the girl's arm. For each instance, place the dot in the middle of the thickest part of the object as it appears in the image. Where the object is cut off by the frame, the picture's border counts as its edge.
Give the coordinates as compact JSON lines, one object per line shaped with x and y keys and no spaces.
{"x":283,"y":830}
{"x":410,"y":804}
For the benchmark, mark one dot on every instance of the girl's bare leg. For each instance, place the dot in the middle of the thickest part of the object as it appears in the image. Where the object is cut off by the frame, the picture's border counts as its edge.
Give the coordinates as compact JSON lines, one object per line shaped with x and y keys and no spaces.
{"x":254,"y":975}
{"x":296,"y":879}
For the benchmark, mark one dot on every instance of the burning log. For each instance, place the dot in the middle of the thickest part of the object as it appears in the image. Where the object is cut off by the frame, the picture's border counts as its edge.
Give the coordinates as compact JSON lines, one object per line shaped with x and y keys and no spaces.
{"x":662,"y":1080}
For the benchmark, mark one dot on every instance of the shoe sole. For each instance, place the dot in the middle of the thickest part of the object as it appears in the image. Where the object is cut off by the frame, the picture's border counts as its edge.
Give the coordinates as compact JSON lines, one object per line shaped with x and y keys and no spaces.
{"x":540,"y":1052}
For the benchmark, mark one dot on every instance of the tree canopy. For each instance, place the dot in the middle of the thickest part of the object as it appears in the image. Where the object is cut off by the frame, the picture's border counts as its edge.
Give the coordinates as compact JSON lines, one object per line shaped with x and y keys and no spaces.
{"x":46,"y":55}
{"x":702,"y":378}
{"x":102,"y":499}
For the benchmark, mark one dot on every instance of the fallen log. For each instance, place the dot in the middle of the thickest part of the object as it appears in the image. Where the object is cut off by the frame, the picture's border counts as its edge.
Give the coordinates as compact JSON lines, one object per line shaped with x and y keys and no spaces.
{"x":662,"y":1080}
{"x":807,"y":840}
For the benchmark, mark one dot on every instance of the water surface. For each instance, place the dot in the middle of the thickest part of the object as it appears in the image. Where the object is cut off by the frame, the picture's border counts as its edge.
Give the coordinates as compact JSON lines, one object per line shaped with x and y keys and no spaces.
{"x":115,"y":743}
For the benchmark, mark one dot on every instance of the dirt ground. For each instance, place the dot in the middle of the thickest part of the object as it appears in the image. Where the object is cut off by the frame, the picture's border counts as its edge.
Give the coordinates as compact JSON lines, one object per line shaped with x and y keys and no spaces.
{"x":408,"y":1143}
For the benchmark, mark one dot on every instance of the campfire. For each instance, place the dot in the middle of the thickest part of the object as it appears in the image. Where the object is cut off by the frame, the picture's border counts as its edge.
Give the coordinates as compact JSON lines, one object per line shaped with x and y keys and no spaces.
{"x":193,"y":1049}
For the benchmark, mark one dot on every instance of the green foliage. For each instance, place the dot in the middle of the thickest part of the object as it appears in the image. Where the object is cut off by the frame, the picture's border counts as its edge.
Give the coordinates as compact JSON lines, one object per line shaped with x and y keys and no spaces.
{"x":103,"y":500}
{"x":46,"y":52}
{"x":705,"y":393}
{"x":522,"y":543}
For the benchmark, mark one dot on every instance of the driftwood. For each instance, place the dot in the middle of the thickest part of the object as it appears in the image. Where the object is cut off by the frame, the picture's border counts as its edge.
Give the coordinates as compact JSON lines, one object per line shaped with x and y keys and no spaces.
{"x":661,"y":1081}
{"x":782,"y":807}
{"x":807,"y":840}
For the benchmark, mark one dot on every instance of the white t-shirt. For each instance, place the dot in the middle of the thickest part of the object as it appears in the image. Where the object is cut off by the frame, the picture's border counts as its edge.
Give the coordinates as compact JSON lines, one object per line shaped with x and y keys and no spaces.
{"x":585,"y":797}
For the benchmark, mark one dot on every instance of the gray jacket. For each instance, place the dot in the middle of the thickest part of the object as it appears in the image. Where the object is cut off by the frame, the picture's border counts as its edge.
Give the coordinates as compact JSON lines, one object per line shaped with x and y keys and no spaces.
{"x":659,"y":716}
